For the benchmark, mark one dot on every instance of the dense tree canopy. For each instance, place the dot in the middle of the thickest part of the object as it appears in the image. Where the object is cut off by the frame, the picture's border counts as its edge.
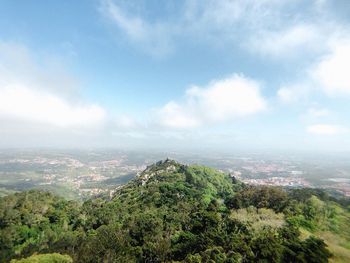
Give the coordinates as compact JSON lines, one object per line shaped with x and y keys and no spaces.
{"x":172,"y":213}
{"x":45,"y":258}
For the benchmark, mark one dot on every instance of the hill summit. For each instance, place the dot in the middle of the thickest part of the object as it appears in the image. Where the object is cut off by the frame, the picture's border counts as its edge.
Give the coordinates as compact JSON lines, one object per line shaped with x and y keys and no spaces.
{"x":161,"y":168}
{"x":169,"y":180}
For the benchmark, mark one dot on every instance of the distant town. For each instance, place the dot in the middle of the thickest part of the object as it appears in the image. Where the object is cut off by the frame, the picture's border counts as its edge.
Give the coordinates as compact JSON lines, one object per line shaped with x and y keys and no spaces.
{"x":79,"y":175}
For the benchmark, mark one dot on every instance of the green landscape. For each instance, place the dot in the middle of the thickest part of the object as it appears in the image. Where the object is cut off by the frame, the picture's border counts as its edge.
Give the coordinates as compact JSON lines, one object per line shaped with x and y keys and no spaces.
{"x":177,"y":213}
{"x":177,"y":131}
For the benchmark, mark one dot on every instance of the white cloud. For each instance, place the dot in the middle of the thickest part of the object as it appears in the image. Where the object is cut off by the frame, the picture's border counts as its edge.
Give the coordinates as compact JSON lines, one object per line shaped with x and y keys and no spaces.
{"x":325,"y":129}
{"x":287,"y":42}
{"x":292,"y":93}
{"x":34,"y":94}
{"x":22,"y":103}
{"x":175,"y":115}
{"x":19,"y":66}
{"x":228,"y":17}
{"x":286,"y":95}
{"x":328,"y":73}
{"x":267,"y":27}
{"x":331,"y":73}
{"x":221,"y":101}
{"x":134,"y":26}
{"x":155,"y":38}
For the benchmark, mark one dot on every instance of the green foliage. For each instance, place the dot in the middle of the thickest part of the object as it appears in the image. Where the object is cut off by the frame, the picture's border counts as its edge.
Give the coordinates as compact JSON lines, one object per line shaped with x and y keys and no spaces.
{"x":45,"y":258}
{"x":172,"y":213}
{"x":315,"y":250}
{"x":260,"y":197}
{"x":35,"y":222}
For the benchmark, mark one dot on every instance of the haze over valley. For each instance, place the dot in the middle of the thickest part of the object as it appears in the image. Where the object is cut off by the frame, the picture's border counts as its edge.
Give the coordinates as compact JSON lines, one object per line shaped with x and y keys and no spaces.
{"x":78,"y":174}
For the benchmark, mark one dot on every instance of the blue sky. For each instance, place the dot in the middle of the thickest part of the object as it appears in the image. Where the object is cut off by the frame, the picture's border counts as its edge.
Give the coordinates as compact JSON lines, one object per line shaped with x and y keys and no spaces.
{"x":189,"y":74}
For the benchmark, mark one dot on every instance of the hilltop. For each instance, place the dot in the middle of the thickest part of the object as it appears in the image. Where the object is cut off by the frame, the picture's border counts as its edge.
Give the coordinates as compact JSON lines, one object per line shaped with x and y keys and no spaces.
{"x":178,"y":213}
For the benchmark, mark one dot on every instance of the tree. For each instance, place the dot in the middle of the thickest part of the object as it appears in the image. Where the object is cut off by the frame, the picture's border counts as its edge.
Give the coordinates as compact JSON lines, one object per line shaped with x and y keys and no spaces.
{"x":45,"y":258}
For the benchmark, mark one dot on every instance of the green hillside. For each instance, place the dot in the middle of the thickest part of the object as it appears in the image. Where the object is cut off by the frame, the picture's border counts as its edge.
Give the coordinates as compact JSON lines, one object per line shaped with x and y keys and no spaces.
{"x":177,"y":213}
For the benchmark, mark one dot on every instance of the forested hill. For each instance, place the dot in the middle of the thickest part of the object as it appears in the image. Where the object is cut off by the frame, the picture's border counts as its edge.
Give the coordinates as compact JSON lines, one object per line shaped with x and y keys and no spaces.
{"x":177,"y":213}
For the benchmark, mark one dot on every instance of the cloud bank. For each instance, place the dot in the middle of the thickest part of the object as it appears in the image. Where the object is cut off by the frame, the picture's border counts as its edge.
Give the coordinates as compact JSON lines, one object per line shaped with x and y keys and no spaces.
{"x":33,"y":97}
{"x":332,"y":70}
{"x":23,"y":103}
{"x":220,"y":101}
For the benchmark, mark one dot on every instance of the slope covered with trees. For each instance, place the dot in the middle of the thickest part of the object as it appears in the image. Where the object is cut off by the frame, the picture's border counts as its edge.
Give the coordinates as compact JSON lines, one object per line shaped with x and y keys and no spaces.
{"x":177,"y":213}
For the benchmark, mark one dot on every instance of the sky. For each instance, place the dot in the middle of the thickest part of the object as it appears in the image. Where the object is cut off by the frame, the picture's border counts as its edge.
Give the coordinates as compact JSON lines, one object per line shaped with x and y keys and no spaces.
{"x":177,"y":74}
